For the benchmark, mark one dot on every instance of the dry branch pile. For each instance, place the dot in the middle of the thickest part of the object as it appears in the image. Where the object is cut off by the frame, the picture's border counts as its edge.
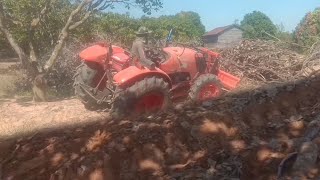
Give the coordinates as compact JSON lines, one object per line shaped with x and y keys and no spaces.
{"x":260,"y":62}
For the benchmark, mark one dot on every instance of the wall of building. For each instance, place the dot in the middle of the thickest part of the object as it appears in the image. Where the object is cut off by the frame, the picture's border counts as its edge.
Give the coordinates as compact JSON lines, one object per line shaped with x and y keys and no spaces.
{"x":210,"y":39}
{"x":230,"y":38}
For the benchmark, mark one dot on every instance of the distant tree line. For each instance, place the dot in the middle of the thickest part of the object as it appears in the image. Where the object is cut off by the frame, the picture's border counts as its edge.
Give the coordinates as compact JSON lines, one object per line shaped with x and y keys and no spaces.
{"x":120,"y":28}
{"x":257,"y":25}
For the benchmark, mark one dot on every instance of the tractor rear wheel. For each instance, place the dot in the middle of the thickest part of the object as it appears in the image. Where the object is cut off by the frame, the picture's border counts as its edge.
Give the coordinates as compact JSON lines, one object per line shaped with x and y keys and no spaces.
{"x":86,"y":75}
{"x":149,"y":95}
{"x":206,"y":87}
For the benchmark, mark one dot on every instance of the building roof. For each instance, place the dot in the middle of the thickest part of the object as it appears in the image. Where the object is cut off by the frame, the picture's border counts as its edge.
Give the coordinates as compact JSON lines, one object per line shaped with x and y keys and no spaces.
{"x":220,"y":30}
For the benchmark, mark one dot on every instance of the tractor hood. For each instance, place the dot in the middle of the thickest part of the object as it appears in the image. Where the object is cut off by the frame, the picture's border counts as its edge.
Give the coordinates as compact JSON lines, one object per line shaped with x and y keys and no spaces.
{"x":94,"y":53}
{"x":98,"y":53}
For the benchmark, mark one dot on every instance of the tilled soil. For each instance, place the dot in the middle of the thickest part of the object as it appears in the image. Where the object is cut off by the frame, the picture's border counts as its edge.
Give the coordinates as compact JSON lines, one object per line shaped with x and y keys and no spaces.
{"x":244,"y":135}
{"x":22,"y":116}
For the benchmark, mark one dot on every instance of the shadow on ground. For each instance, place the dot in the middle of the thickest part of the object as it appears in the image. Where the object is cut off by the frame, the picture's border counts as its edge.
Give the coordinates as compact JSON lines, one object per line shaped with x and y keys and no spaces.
{"x":241,"y":136}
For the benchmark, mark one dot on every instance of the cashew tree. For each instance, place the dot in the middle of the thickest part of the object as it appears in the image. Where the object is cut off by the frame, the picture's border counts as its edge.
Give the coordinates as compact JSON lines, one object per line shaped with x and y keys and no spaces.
{"x":33,"y":16}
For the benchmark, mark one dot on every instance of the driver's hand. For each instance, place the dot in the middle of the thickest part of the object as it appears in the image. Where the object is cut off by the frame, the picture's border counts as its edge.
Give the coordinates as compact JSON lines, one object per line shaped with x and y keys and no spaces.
{"x":149,"y":64}
{"x":153,"y":66}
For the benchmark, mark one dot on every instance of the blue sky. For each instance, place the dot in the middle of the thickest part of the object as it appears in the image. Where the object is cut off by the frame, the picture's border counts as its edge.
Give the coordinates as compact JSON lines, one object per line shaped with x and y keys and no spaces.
{"x":224,"y":12}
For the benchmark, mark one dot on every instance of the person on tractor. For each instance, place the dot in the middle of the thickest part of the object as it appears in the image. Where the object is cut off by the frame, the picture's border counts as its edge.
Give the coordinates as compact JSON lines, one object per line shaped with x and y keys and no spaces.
{"x":138,"y":48}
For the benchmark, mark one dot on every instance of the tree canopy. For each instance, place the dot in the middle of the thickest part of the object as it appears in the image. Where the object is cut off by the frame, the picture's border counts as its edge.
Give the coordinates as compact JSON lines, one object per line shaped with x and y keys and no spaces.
{"x":33,"y":27}
{"x":308,"y":30}
{"x":21,"y":13}
{"x":118,"y":27}
{"x":187,"y":26}
{"x":121,"y":27}
{"x":257,"y":25}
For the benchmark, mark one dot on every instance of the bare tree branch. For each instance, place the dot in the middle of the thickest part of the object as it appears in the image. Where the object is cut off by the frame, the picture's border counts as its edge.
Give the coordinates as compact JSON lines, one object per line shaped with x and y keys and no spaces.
{"x":34,"y":24}
{"x":9,"y":18}
{"x":105,"y":5}
{"x":93,"y":5}
{"x":64,"y":34}
{"x":11,"y":40}
{"x":87,"y":15}
{"x":77,"y":24}
{"x":96,"y":4}
{"x":15,"y":22}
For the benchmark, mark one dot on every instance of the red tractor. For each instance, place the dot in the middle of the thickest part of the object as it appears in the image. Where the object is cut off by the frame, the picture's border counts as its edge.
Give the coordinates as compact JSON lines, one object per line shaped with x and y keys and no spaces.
{"x":106,"y":80}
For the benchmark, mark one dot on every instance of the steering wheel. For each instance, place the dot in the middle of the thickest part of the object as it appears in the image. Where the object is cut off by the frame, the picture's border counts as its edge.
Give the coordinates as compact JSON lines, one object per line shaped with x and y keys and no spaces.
{"x":154,"y":50}
{"x":155,"y":43}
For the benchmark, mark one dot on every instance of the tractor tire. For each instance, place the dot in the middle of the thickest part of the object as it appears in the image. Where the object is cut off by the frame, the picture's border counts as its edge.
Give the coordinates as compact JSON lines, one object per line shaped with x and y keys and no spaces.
{"x":85,"y":75}
{"x":135,"y":99}
{"x":206,"y":87}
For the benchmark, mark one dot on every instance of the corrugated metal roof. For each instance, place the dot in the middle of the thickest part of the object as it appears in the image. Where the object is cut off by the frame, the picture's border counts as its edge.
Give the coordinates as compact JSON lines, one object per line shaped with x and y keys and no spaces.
{"x":219,"y":30}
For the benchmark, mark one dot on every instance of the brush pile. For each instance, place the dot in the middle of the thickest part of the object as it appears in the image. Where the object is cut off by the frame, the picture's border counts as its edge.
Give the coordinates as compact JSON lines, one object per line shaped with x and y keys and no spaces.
{"x":262,"y":62}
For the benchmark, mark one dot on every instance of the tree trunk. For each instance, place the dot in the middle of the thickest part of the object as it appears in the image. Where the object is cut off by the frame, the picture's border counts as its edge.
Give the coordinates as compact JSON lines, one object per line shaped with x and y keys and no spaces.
{"x":22,"y":56}
{"x":30,"y":63}
{"x":70,"y":25}
{"x":56,"y":51}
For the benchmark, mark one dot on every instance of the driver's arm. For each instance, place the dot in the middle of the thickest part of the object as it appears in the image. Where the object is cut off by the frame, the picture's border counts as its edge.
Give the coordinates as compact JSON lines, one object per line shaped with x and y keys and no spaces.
{"x":143,"y":59}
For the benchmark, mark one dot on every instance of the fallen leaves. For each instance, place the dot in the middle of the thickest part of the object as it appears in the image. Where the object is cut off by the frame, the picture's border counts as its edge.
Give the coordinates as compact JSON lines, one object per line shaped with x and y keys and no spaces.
{"x":98,"y":140}
{"x":213,"y":128}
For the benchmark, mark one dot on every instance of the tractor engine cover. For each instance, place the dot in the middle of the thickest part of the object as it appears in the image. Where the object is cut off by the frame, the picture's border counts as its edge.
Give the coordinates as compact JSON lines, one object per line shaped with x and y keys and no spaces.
{"x":180,"y":59}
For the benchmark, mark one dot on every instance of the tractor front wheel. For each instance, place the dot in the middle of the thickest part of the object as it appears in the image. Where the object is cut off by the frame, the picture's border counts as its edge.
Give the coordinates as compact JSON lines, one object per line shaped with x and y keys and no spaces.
{"x":206,"y":87}
{"x":149,"y":95}
{"x":86,"y":76}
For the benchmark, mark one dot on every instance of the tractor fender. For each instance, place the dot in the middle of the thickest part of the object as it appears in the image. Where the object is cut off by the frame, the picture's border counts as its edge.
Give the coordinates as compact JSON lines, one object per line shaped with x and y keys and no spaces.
{"x":98,"y":53}
{"x":133,"y":74}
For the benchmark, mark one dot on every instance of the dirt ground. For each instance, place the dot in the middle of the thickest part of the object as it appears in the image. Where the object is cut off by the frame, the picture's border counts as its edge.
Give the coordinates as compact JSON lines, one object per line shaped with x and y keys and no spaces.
{"x":7,"y":79}
{"x":21,"y":116}
{"x":244,"y":136}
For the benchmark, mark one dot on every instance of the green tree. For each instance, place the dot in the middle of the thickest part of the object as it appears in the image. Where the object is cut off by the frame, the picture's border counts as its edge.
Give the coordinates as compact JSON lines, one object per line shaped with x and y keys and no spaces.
{"x":308,"y":30}
{"x":19,"y":17}
{"x":121,"y":28}
{"x":257,"y":25}
{"x":187,"y":26}
{"x":284,"y":35}
{"x":29,"y":25}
